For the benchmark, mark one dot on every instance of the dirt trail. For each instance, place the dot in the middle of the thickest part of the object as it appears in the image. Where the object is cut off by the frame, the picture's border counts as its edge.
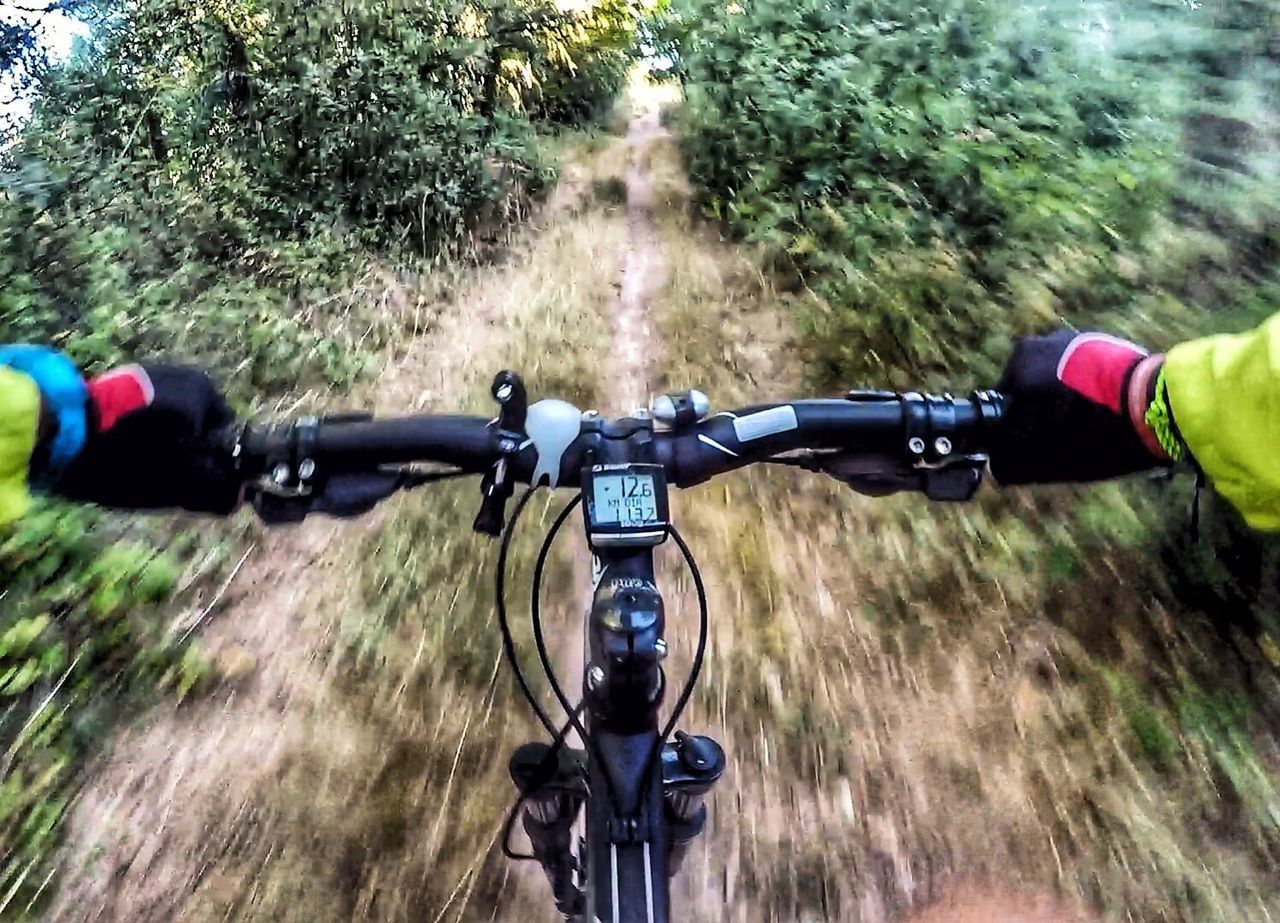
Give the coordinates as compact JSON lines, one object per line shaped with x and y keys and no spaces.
{"x":174,"y":792}
{"x":199,"y":811}
{"x":643,"y":270}
{"x":128,"y":820}
{"x":883,"y":761}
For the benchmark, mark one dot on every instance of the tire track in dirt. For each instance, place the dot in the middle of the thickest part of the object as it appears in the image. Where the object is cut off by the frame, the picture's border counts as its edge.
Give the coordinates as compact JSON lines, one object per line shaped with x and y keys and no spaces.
{"x":631,"y":373}
{"x":628,"y":366}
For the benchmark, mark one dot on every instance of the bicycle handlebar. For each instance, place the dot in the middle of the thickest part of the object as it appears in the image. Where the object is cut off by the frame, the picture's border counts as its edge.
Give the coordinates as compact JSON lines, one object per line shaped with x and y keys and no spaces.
{"x":912,"y":431}
{"x":917,"y":430}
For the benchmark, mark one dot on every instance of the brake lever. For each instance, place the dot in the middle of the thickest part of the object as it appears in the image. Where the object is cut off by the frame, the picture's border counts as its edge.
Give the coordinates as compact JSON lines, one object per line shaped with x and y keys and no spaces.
{"x":497,"y":487}
{"x":954,"y":480}
{"x":343,"y":495}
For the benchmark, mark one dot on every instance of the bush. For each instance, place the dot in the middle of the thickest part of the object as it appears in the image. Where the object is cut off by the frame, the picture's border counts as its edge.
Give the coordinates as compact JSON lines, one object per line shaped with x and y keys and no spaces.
{"x":80,"y":641}
{"x":908,"y":163}
{"x":205,"y":176}
{"x":581,"y":70}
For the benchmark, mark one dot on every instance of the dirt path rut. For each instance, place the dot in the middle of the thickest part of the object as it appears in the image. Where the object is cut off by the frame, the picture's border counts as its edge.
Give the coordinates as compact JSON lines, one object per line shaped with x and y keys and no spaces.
{"x":635,"y":344}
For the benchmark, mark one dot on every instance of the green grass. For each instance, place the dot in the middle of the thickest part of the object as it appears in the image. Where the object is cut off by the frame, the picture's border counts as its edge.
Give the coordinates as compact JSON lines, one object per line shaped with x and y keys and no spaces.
{"x":1154,"y":737}
{"x":86,"y":638}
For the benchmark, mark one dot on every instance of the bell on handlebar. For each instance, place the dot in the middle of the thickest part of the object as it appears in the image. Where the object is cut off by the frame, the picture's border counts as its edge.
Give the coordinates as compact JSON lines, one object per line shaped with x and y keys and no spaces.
{"x":680,"y":410}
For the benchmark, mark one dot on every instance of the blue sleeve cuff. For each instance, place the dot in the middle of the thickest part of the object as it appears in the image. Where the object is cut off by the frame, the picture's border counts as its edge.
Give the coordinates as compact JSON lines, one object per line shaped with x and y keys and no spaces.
{"x":64,"y":393}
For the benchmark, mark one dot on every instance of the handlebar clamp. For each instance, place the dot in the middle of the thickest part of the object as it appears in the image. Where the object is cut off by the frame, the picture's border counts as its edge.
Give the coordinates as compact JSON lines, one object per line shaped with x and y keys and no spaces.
{"x":290,"y":470}
{"x":929,"y":424}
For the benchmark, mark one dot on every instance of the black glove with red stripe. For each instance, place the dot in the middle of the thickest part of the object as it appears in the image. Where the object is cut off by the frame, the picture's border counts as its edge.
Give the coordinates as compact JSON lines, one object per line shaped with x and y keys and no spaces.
{"x":1075,"y":407}
{"x":149,"y":447}
{"x":148,"y":443}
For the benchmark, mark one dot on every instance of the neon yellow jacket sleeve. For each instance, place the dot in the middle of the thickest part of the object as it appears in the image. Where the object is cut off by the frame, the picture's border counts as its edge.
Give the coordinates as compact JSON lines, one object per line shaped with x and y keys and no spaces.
{"x":19,"y":423}
{"x":1224,"y":392}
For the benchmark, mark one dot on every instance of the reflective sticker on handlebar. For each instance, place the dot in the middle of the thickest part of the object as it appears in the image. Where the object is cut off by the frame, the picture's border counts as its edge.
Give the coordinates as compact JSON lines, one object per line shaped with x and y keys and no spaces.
{"x":765,"y":423}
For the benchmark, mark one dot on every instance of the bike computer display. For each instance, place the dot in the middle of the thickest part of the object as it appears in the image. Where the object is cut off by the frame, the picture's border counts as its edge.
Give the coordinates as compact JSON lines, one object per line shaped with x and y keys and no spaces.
{"x":625,"y":504}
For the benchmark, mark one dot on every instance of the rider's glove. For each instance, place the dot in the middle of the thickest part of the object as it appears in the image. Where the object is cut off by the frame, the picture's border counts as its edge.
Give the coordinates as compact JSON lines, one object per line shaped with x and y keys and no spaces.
{"x":1075,"y":406}
{"x":147,"y":445}
{"x":138,"y":437}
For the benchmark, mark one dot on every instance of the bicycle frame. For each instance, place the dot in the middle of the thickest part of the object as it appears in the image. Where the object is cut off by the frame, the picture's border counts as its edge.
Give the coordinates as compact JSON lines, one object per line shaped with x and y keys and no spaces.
{"x":642,"y":796}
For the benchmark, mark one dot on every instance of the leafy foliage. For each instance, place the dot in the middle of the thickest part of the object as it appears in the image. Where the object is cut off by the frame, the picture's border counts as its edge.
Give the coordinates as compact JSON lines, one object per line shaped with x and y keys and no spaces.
{"x":908,"y":163}
{"x":933,"y":180}
{"x":80,"y":638}
{"x":199,"y":176}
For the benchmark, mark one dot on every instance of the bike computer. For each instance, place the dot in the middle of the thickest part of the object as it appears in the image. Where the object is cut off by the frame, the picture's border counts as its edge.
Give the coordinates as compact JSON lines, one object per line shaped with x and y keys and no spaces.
{"x":626,"y":505}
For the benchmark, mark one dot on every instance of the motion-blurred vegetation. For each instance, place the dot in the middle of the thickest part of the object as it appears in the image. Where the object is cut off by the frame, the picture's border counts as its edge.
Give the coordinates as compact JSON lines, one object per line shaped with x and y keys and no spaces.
{"x":944,"y":177}
{"x":928,"y":182}
{"x":198,"y":175}
{"x":223,"y":183}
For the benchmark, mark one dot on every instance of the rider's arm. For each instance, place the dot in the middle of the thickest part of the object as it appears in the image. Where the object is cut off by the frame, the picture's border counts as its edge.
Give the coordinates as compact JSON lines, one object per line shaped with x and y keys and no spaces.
{"x":1086,"y":406}
{"x":1223,"y":397}
{"x":1075,"y":405}
{"x":43,"y":421}
{"x":139,"y":437}
{"x":19,"y":426}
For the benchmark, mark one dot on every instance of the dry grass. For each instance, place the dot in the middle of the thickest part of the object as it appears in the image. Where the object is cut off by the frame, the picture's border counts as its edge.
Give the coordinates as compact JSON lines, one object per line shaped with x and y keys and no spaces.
{"x":914,"y":694}
{"x":910,"y":694}
{"x":391,"y":807}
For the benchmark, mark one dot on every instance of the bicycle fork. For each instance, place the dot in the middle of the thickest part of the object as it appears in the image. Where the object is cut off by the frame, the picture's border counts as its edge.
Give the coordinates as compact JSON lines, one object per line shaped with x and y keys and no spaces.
{"x":555,"y":790}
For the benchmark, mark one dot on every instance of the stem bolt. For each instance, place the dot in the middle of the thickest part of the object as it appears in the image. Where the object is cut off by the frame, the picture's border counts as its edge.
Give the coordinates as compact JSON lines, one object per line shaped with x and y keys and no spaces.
{"x":280,"y":473}
{"x":915,"y":445}
{"x":595,"y":676}
{"x":661,"y":647}
{"x":942,"y":445}
{"x":503,"y":393}
{"x":306,"y":468}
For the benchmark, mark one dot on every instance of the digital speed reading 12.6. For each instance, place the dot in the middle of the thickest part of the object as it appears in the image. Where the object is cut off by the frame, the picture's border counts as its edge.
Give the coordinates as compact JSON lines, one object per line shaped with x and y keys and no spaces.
{"x":624,"y":499}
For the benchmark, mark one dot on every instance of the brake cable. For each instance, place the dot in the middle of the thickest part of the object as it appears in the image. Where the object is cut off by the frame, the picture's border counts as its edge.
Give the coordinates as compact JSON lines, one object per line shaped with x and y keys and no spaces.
{"x":508,"y":641}
{"x":690,"y":684}
{"x":544,"y":657}
{"x":508,"y":644}
{"x":509,"y":649}
{"x":539,"y":641}
{"x":535,"y":614}
{"x":416,"y":477}
{"x":545,"y":768}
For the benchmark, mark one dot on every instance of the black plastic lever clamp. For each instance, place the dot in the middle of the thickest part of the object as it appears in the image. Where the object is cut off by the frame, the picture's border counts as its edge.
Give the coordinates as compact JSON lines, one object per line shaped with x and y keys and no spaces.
{"x":508,"y":435}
